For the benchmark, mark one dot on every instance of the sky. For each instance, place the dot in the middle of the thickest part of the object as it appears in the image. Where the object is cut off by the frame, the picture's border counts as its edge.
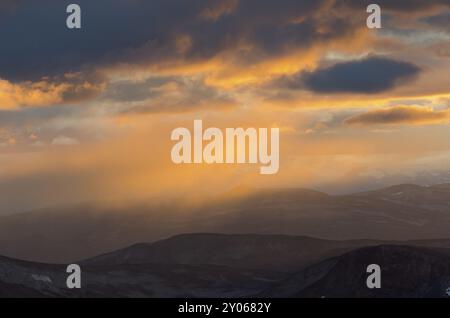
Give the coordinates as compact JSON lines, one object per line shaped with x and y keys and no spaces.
{"x":86,"y":115}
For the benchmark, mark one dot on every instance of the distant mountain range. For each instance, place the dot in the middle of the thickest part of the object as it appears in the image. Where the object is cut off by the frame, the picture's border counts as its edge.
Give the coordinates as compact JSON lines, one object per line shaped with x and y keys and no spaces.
{"x":62,"y":234}
{"x":217,"y":265}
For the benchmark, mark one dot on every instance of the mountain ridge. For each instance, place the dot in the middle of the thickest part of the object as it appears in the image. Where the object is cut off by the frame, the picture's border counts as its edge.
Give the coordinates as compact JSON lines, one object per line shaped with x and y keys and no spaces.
{"x":398,"y":213}
{"x":338,"y":274}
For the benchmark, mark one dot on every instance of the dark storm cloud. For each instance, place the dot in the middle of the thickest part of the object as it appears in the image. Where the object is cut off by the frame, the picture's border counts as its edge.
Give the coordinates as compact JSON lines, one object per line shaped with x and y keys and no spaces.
{"x":369,"y":76}
{"x":36,"y":42}
{"x":6,"y":6}
{"x":399,"y":115}
{"x":395,"y":5}
{"x":441,"y":21}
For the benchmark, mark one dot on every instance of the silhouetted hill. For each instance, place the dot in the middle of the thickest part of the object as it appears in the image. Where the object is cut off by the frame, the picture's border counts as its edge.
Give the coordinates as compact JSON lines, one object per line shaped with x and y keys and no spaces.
{"x":27,"y":279}
{"x":146,"y":271}
{"x":266,"y":252}
{"x":405,"y":272}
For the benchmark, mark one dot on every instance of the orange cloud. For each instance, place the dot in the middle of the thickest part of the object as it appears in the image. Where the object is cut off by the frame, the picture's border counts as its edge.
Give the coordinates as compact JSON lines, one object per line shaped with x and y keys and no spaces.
{"x":400,"y":115}
{"x":30,"y":94}
{"x":46,"y":92}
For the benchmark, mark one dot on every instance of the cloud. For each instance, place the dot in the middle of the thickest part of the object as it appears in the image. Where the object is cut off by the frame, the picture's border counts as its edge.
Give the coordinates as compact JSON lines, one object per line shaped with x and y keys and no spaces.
{"x":441,"y":21}
{"x":48,"y":91}
{"x":219,"y":8}
{"x":43,"y":124}
{"x":8,"y":6}
{"x":64,"y":141}
{"x":368,"y":76}
{"x":29,"y":94}
{"x":397,"y":5}
{"x":400,"y":115}
{"x":227,"y":43}
{"x":166,"y":94}
{"x":148,"y":32}
{"x":164,"y":32}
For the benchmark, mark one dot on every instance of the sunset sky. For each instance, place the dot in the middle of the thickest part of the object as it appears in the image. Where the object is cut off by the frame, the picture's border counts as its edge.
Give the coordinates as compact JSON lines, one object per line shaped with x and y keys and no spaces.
{"x":86,"y":115}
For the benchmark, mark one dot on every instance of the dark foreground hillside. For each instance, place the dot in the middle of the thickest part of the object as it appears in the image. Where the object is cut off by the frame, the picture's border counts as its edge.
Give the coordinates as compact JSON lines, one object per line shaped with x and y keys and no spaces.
{"x":212,"y":265}
{"x":407,"y":272}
